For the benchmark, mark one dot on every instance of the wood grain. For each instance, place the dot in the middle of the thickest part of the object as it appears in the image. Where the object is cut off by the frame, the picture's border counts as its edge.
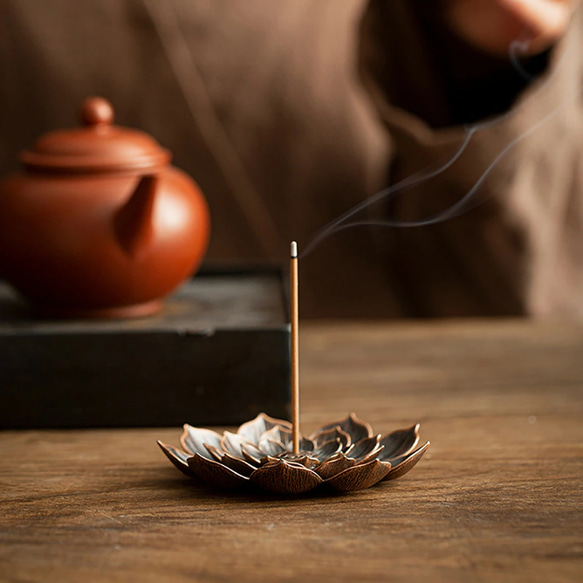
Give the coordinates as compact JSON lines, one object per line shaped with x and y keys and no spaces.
{"x":496,"y":498}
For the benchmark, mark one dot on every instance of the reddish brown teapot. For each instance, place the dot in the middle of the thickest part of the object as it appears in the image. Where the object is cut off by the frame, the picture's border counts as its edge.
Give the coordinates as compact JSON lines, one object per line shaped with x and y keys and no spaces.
{"x":100,"y":224}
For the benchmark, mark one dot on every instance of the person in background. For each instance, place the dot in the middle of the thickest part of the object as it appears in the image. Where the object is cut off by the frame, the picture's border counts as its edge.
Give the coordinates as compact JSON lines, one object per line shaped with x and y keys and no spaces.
{"x":289,"y":113}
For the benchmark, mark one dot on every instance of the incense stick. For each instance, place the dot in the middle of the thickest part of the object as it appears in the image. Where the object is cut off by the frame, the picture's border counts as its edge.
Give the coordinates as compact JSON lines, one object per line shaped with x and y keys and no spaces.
{"x":295,"y":356}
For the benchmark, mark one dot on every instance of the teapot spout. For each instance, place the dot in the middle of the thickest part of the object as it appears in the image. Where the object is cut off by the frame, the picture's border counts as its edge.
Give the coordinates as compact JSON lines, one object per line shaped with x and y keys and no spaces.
{"x":133,"y":223}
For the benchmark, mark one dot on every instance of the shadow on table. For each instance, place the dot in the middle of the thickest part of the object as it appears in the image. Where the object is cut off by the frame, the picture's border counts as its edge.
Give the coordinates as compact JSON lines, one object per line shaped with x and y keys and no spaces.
{"x":181,"y":487}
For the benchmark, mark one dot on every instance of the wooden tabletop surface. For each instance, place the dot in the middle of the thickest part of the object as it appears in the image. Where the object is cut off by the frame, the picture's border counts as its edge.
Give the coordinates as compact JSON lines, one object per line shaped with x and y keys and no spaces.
{"x":498,"y":497}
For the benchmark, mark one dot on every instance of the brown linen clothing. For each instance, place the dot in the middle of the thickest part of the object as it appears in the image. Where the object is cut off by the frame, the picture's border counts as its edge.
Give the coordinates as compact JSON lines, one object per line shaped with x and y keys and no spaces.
{"x":289,"y":113}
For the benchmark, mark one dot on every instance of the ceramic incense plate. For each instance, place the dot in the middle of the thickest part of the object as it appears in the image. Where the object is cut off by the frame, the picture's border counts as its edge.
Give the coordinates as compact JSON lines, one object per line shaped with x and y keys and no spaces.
{"x":341,"y":456}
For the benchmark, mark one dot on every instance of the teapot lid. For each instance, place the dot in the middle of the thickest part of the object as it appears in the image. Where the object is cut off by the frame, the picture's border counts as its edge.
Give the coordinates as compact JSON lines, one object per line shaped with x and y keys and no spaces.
{"x":99,"y":146}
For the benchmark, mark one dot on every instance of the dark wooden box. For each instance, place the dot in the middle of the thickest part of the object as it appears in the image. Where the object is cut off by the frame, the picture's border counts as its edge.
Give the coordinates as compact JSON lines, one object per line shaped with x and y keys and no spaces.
{"x":217,"y":354}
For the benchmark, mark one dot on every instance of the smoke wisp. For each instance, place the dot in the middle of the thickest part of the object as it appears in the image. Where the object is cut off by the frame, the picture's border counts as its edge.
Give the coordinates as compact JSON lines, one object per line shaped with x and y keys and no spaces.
{"x":468,"y":200}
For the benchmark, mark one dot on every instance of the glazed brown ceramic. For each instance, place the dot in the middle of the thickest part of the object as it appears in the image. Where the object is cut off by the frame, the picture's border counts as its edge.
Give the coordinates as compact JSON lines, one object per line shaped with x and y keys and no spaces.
{"x":100,"y":224}
{"x":341,"y":456}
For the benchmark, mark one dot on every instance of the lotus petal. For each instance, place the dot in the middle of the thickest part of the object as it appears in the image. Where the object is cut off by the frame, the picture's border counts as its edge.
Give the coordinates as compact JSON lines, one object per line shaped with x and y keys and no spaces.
{"x":285,"y":478}
{"x":300,"y":458}
{"x":253,"y":430}
{"x":285,"y":437}
{"x":405,"y":463}
{"x":269,"y":447}
{"x":334,"y":465}
{"x":359,"y":477}
{"x":252,"y":454}
{"x":232,"y":442}
{"x":238,"y":465}
{"x":194,"y":438}
{"x":216,"y":453}
{"x":364,"y":448}
{"x":356,"y":428}
{"x":278,"y":433}
{"x":178,"y":458}
{"x":216,"y":473}
{"x":374,"y":454}
{"x":333,"y":434}
{"x":327,"y":450}
{"x":307,"y":445}
{"x":268,"y":459}
{"x":399,"y":443}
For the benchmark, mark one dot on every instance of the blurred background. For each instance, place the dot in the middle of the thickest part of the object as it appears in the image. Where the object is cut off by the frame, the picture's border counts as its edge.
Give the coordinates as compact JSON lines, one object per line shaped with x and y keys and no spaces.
{"x":289,"y":113}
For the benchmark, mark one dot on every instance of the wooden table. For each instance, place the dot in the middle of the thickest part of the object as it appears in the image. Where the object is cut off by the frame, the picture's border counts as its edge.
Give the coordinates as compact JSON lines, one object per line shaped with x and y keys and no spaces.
{"x":498,"y":497}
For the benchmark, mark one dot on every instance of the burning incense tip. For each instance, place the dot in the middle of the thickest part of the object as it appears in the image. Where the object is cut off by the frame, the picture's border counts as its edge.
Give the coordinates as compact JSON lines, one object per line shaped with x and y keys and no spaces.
{"x":294,"y":249}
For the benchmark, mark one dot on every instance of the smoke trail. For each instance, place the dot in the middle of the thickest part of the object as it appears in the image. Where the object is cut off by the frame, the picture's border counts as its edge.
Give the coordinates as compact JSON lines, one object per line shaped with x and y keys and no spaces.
{"x":459,"y":207}
{"x":463,"y":204}
{"x":519,"y":46}
{"x":417,"y":178}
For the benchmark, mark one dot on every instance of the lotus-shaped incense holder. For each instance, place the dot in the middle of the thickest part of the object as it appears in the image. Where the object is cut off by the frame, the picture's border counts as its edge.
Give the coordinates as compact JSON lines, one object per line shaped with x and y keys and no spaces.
{"x":343,"y":456}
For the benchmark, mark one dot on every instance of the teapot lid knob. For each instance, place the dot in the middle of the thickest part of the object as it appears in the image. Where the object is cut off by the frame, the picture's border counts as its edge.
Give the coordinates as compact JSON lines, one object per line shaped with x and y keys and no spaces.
{"x":96,"y":111}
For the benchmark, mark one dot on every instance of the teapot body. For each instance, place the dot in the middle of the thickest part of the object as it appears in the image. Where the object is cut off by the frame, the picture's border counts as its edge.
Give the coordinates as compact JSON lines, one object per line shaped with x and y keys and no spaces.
{"x":107,"y":244}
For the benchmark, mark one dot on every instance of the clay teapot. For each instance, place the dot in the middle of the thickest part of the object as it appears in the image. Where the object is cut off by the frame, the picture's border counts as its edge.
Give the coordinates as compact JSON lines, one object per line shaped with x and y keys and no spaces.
{"x":99,"y":224}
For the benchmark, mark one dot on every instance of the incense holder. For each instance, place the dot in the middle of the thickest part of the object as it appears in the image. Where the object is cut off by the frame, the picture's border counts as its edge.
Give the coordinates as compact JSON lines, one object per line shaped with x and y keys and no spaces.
{"x":341,"y":456}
